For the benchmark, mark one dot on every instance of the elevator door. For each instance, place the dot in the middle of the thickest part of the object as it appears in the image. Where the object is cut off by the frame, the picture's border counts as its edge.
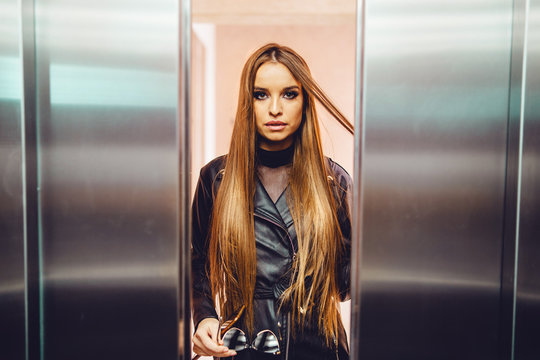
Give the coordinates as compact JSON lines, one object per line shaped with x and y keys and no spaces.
{"x":442,"y":170}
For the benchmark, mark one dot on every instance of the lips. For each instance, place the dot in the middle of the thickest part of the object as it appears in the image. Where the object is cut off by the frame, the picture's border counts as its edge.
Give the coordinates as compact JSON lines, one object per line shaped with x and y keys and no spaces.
{"x":275,"y":125}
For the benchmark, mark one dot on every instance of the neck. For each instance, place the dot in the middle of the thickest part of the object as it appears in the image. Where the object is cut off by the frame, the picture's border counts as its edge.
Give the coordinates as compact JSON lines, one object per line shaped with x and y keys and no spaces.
{"x":276,"y":158}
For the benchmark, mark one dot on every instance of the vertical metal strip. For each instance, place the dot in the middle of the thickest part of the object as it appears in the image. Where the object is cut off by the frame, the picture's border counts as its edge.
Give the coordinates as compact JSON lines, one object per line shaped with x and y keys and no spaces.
{"x":30,"y":180}
{"x":184,"y":179}
{"x":519,"y":169}
{"x":356,"y":256}
{"x":512,"y":182}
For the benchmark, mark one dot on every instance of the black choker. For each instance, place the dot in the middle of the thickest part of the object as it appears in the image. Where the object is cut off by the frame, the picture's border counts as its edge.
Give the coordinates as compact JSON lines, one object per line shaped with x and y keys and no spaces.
{"x":277,"y":158}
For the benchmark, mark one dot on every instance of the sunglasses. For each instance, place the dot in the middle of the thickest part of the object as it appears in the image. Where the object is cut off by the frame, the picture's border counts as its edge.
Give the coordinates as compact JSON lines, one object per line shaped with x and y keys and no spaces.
{"x":265,"y":341}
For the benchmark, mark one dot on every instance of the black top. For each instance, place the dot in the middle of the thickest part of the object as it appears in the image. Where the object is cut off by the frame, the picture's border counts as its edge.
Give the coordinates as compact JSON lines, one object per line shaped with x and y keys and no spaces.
{"x":274,"y":159}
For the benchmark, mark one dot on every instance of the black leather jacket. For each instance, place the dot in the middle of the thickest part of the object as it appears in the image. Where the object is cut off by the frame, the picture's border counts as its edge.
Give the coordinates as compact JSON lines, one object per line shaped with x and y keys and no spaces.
{"x":276,"y":244}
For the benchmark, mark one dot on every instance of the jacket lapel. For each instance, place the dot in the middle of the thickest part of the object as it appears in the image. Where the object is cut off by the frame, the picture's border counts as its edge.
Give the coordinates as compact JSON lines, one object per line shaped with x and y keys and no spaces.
{"x":264,"y":206}
{"x":278,"y":213}
{"x":282,"y":207}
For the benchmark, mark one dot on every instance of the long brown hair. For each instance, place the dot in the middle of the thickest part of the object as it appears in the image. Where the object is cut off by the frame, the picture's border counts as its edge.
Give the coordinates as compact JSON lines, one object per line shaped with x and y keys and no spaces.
{"x":313,"y":294}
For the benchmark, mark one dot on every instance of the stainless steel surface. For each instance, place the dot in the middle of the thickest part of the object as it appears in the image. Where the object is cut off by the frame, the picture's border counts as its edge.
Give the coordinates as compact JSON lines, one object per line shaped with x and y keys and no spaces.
{"x":12,"y":281}
{"x":30,"y":183}
{"x":358,"y":194}
{"x":184,"y":200}
{"x":436,"y":106}
{"x":510,"y":229}
{"x":107,"y":75}
{"x":527,"y":321}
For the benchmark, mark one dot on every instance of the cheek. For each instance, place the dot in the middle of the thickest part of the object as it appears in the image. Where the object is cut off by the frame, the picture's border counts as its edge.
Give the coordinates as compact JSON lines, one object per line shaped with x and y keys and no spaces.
{"x":259,"y":109}
{"x":298,"y":112}
{"x":259,"y":119}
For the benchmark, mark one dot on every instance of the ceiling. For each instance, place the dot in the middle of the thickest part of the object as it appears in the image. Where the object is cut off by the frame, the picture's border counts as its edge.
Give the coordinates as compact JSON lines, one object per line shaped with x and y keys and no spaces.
{"x":276,"y":12}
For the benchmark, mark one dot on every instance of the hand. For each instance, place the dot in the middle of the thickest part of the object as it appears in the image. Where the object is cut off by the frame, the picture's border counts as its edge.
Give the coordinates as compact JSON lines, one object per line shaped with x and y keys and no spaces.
{"x":205,"y":340}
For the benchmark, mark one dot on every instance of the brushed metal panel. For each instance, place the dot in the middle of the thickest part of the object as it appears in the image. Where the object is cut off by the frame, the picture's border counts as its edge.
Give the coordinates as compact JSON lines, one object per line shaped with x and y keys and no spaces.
{"x":30,"y":184}
{"x":107,"y":74}
{"x":358,"y":187}
{"x":184,"y":198}
{"x":527,"y":325}
{"x":12,"y":283}
{"x":436,"y":106}
{"x":511,"y":221}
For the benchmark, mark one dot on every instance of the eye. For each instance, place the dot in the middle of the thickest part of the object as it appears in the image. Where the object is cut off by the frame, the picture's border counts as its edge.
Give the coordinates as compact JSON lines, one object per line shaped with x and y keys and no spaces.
{"x":290,"y":94}
{"x":259,"y":95}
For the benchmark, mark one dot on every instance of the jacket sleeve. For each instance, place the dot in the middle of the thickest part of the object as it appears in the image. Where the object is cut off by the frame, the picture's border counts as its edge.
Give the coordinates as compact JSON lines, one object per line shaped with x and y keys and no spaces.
{"x":203,"y":305}
{"x":344,"y":213}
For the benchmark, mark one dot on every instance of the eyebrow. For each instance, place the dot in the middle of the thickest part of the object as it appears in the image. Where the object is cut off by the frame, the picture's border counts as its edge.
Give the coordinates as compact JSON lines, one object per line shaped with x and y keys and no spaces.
{"x":293,"y":87}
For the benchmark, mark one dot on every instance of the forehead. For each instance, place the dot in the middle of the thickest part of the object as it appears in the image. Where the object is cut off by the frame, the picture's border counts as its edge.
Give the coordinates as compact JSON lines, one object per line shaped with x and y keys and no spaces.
{"x":274,"y":75}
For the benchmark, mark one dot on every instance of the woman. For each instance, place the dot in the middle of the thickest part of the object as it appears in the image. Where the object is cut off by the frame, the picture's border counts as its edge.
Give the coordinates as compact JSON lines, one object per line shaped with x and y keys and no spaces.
{"x":271,"y":223}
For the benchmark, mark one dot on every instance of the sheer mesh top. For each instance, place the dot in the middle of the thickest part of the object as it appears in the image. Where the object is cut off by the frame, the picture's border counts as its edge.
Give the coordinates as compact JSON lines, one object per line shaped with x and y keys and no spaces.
{"x":273,"y":170}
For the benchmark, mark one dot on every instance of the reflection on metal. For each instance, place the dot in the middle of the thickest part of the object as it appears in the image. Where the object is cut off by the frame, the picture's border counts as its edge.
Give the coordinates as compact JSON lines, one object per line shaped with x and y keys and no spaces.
{"x":513,"y":181}
{"x":433,"y":175}
{"x":358,"y":194}
{"x":12,"y":280}
{"x":30,"y":183}
{"x":388,"y":279}
{"x":184,"y":198}
{"x":115,"y":87}
{"x":511,"y":224}
{"x":527,"y":315}
{"x":107,"y":77}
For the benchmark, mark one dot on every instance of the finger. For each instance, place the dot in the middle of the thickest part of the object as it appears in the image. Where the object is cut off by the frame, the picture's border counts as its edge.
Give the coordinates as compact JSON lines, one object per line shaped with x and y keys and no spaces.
{"x":227,"y":354}
{"x":197,"y":350}
{"x":200,"y":343}
{"x":204,"y":352}
{"x":197,"y":342}
{"x":201,"y":352}
{"x":210,"y":345}
{"x":212,"y":332}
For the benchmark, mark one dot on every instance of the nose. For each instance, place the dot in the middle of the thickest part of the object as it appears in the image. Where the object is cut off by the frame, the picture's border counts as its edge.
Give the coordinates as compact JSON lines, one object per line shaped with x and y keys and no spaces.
{"x":275,"y":107}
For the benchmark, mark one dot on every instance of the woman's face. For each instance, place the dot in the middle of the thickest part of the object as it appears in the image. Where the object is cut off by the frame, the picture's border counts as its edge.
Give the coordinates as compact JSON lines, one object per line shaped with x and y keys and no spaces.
{"x":277,"y":102}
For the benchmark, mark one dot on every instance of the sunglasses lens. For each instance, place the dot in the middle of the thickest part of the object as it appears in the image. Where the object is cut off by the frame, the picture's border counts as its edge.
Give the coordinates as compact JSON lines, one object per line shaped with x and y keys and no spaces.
{"x":235,"y":339}
{"x":266,"y":342}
